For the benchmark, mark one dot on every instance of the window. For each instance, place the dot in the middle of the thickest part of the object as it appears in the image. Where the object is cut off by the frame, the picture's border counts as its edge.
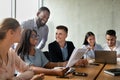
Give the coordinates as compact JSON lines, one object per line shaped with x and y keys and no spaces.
{"x":26,"y":9}
{"x":5,"y":9}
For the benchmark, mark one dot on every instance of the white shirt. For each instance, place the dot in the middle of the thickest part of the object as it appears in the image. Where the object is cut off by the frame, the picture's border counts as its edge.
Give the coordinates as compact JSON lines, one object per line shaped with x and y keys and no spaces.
{"x":90,"y":54}
{"x":116,"y":48}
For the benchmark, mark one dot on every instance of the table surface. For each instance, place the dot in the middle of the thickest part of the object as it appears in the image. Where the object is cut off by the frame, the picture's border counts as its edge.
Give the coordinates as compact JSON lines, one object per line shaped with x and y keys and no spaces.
{"x":92,"y":71}
{"x":104,"y":76}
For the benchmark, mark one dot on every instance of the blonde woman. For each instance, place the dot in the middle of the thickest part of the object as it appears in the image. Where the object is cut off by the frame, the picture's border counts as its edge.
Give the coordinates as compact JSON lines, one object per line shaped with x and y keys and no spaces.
{"x":10,"y":32}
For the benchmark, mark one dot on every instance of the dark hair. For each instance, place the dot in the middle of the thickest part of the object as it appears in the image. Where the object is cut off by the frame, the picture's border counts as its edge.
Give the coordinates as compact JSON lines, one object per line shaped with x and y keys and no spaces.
{"x":43,"y":9}
{"x":86,"y":37}
{"x":63,"y":28}
{"x":6,"y":24}
{"x":111,"y":32}
{"x":24,"y":45}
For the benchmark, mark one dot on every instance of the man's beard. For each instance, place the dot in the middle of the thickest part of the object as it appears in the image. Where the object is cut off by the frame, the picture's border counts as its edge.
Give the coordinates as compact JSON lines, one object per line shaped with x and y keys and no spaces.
{"x":39,"y":23}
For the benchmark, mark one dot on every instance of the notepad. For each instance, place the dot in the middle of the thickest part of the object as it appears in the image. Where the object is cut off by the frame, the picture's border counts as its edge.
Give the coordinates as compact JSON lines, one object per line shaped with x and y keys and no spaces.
{"x":113,"y":71}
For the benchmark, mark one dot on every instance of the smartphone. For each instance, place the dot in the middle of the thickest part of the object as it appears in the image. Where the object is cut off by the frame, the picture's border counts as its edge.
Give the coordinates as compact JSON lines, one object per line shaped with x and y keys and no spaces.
{"x":96,"y":64}
{"x":80,"y":74}
{"x":71,"y":70}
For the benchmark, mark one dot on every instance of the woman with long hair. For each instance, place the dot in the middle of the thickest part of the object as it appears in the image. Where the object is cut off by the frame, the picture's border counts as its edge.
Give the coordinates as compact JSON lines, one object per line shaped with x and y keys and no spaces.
{"x":34,"y":57}
{"x":10,"y":32}
{"x":90,"y":44}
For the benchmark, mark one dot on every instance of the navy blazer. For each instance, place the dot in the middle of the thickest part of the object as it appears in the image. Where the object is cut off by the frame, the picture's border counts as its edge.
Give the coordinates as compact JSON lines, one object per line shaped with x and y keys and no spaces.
{"x":55,"y":51}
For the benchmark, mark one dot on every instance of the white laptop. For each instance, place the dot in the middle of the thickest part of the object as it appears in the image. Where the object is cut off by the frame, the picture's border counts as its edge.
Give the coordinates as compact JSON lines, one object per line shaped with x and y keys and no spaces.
{"x":107,"y":57}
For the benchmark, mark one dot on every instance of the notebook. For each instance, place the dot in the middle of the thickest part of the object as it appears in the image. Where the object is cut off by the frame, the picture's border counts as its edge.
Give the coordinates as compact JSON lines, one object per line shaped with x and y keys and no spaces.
{"x":113,"y":71}
{"x":107,"y":57}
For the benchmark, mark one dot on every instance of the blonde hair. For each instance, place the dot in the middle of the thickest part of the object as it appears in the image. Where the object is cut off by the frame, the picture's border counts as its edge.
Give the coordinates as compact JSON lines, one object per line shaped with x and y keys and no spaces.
{"x":6,"y":24}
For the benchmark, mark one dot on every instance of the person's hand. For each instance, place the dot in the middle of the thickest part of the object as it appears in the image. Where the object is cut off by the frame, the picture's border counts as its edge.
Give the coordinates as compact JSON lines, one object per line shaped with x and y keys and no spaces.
{"x":81,"y":62}
{"x":61,"y":71}
{"x":90,"y":48}
{"x":38,"y":77}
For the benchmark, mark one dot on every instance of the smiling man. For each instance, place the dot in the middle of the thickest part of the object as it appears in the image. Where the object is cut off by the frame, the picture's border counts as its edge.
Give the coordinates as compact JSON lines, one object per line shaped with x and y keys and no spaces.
{"x":39,"y":24}
{"x":111,"y":42}
{"x":60,"y":50}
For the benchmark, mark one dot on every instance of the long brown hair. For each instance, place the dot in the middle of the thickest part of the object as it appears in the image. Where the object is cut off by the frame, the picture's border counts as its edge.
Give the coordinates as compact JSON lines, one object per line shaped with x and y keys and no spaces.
{"x":23,"y":47}
{"x":5,"y":25}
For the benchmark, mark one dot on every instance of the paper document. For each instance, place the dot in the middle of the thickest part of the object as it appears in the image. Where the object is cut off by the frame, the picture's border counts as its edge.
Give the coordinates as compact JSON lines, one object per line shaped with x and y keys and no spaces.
{"x":77,"y":54}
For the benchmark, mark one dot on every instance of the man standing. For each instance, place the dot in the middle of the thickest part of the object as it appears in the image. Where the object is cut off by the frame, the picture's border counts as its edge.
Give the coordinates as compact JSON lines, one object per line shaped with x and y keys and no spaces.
{"x":39,"y":24}
{"x":112,"y":44}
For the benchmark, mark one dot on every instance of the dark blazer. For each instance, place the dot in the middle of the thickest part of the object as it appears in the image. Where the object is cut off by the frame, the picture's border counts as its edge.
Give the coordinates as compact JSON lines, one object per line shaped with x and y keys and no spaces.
{"x":56,"y":53}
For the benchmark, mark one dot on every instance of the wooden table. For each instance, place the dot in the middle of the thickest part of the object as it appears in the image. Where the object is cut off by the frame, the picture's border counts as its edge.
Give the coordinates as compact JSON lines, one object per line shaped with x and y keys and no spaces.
{"x":92,"y":71}
{"x":104,"y":76}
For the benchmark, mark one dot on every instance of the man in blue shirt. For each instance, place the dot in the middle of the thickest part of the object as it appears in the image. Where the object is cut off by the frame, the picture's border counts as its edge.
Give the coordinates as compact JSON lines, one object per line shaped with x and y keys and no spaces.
{"x":60,"y":50}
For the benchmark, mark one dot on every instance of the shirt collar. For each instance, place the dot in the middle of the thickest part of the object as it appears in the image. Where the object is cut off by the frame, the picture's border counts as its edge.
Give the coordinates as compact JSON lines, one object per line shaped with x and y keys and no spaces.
{"x":65,"y":46}
{"x":116,"y":46}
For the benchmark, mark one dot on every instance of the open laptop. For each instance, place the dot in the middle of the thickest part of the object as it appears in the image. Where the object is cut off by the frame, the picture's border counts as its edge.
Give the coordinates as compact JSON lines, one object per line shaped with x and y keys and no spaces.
{"x":107,"y":57}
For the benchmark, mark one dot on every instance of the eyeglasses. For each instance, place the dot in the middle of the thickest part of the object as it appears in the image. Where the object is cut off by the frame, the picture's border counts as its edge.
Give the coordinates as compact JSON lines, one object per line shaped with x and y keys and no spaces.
{"x":34,"y":36}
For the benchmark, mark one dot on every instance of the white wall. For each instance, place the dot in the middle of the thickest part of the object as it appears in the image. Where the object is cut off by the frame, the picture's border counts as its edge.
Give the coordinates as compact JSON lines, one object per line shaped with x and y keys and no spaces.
{"x":5,"y":9}
{"x":81,"y":16}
